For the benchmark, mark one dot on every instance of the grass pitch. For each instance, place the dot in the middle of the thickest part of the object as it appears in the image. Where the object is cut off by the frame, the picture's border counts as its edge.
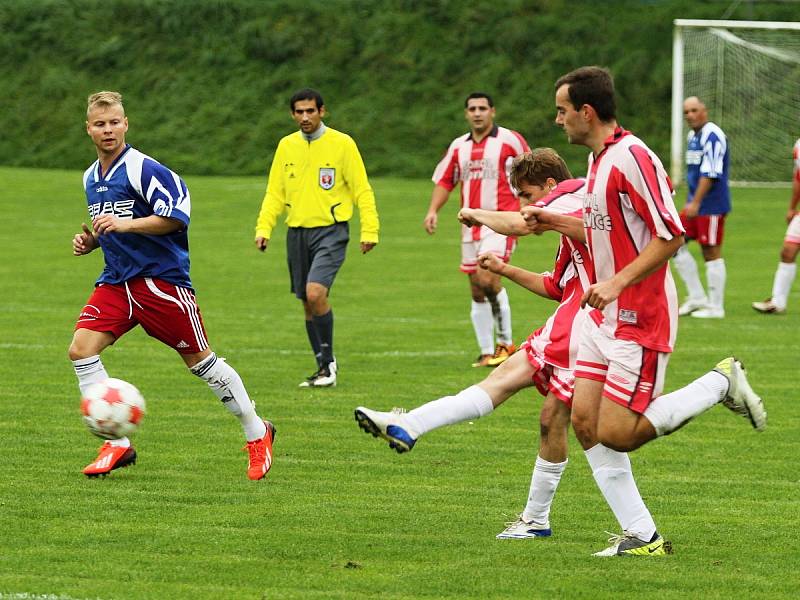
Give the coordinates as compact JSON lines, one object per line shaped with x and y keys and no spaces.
{"x":340,"y":515}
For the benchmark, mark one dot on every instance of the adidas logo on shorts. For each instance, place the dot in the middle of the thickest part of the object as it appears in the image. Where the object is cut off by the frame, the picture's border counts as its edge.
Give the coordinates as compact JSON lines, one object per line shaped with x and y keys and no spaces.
{"x":182,"y":344}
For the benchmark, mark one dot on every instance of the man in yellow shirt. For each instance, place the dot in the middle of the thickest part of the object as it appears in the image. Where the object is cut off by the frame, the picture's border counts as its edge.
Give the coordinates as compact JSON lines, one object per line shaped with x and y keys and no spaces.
{"x":317,"y":176}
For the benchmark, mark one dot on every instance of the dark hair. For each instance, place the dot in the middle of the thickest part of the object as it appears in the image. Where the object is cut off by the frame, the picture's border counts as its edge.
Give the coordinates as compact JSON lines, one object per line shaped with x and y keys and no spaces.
{"x":474,"y":95}
{"x":593,"y":86}
{"x":536,"y":166}
{"x":306,"y":94}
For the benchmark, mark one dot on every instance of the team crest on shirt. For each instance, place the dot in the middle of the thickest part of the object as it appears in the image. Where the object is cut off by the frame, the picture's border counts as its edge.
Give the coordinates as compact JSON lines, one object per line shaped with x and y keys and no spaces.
{"x":327,"y":178}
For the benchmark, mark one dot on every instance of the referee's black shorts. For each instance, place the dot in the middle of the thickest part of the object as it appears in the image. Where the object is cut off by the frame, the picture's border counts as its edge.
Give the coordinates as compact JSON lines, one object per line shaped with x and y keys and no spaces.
{"x":315,"y":254}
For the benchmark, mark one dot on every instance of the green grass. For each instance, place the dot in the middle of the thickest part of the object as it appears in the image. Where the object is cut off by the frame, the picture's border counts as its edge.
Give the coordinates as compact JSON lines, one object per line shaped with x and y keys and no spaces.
{"x":340,"y":516}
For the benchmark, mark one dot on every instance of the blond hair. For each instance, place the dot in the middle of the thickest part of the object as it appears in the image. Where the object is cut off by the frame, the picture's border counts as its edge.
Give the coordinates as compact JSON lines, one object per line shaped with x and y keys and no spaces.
{"x":104,"y":99}
{"x":536,"y":166}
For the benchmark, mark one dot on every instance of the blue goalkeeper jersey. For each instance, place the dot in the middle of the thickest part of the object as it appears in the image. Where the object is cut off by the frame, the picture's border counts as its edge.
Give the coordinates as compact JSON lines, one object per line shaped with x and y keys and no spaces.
{"x":708,"y":156}
{"x":134,"y":187}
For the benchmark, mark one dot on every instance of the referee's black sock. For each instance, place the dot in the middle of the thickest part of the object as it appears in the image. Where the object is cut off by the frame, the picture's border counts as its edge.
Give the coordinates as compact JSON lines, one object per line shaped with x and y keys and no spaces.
{"x":324,"y":326}
{"x":313,"y":339}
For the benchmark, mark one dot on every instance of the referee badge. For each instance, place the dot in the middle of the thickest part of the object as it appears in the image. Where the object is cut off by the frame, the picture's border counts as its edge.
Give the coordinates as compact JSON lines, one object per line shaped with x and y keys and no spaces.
{"x":327,"y":178}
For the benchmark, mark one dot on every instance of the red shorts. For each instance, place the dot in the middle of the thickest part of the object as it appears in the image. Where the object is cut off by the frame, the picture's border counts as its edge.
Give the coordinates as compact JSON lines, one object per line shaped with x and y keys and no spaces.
{"x":166,"y":312}
{"x":708,"y":230}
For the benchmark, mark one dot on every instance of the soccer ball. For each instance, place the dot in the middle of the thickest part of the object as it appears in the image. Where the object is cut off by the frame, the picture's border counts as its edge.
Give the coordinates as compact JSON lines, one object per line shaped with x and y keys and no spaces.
{"x":112,"y":408}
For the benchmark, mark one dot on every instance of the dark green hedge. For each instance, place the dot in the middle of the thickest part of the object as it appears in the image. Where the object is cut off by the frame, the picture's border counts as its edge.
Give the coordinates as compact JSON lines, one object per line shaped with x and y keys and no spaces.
{"x":206,"y":82}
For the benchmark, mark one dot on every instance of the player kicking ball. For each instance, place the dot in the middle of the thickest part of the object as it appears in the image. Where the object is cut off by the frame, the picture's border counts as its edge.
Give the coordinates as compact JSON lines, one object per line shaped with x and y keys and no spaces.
{"x":546,"y":360}
{"x":140,"y":216}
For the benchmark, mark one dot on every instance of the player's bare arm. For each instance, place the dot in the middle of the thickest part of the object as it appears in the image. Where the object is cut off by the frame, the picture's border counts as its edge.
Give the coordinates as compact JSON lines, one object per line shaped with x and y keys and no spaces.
{"x":503,"y":222}
{"x":538,"y":220}
{"x":655,"y":254}
{"x":438,"y":199}
{"x":152,"y":225}
{"x":262,"y":243}
{"x":84,"y":242}
{"x":531,"y":281}
{"x":692,"y":209}
{"x":794,"y":201}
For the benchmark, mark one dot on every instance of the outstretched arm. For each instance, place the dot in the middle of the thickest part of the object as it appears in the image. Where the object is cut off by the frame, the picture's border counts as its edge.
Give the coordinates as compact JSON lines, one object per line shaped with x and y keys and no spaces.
{"x":527,"y":279}
{"x":539,"y":220}
{"x":505,"y":222}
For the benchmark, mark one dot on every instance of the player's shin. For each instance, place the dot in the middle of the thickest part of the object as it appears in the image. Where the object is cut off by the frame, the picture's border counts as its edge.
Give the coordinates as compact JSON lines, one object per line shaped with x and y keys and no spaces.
{"x":89,"y":370}
{"x":544,"y":482}
{"x":613,"y":474}
{"x":672,"y":411}
{"x":471,"y":403}
{"x":226,"y":384}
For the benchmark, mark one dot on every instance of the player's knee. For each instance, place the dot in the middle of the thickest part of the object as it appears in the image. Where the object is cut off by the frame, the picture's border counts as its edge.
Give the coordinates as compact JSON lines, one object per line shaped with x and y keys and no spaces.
{"x":789,"y":253}
{"x":78,"y":350}
{"x":316,"y":295}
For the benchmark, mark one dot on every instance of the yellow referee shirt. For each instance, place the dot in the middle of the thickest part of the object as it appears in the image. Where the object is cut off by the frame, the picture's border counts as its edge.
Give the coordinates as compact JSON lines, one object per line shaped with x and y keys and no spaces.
{"x":318,"y":183}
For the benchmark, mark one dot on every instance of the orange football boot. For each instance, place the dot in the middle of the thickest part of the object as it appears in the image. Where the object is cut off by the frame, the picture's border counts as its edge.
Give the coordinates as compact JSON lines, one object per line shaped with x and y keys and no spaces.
{"x":110,"y":458}
{"x":261,"y":454}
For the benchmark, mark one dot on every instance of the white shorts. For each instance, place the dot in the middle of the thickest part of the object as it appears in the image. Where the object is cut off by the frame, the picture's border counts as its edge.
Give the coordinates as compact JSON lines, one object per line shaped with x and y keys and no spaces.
{"x":500,"y":245}
{"x":793,"y":231}
{"x":633,"y":375}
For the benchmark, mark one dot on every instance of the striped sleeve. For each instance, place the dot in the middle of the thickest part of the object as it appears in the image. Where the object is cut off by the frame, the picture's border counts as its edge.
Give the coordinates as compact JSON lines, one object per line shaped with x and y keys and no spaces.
{"x":650,"y":191}
{"x":446,"y":172}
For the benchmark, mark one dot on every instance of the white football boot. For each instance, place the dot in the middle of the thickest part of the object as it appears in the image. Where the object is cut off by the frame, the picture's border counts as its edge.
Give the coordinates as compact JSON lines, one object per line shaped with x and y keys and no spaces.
{"x":391,"y":426}
{"x":741,"y":398}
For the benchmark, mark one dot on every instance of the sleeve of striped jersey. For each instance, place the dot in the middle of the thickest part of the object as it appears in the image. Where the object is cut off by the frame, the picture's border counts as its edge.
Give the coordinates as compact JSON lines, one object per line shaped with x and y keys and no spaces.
{"x":551,"y":286}
{"x":713,"y":156}
{"x":796,"y":157}
{"x":650,"y":191}
{"x":445,"y":172}
{"x":165,"y":192}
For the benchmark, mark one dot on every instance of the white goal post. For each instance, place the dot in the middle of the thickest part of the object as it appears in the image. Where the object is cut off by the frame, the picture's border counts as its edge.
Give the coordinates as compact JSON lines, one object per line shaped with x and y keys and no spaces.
{"x":748,"y":75}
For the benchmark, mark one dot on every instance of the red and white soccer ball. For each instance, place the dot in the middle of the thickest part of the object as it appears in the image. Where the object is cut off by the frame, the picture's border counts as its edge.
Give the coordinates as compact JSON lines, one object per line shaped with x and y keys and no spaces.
{"x":112,"y":408}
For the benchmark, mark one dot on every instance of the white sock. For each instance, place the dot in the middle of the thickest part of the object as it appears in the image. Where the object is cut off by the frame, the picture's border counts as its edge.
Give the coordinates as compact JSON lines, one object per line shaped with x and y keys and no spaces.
{"x":671,"y":411}
{"x":715,"y":278}
{"x":782,"y":285}
{"x":120,"y":443}
{"x":471,"y":403}
{"x":544,"y":482}
{"x":687,"y":269}
{"x":89,"y":371}
{"x":502,"y":318}
{"x":226,"y":384}
{"x":612,"y":472}
{"x":483,"y":324}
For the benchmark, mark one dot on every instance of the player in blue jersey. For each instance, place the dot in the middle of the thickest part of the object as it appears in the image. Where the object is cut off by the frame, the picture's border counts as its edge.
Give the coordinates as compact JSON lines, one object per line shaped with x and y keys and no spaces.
{"x":703,"y":217}
{"x":139,"y":212}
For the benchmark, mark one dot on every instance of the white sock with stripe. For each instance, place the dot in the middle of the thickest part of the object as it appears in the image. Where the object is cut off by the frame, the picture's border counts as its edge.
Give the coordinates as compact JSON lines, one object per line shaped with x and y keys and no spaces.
{"x":613,"y":474}
{"x":687,"y":269}
{"x":226,"y":384}
{"x":471,"y":403}
{"x":782,"y":284}
{"x":544,"y":482}
{"x":715,"y":278}
{"x":502,"y":318}
{"x":483,"y":324}
{"x":89,"y":370}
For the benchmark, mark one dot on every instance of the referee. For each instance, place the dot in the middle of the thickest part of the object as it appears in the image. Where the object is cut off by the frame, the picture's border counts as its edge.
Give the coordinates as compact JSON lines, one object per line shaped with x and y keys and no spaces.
{"x":317,"y":176}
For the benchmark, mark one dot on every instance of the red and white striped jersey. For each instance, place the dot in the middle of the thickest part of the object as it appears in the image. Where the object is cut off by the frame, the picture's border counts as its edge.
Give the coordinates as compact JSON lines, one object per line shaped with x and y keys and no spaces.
{"x":483,"y":170}
{"x":557,"y":340}
{"x":796,"y":157}
{"x":628,"y":203}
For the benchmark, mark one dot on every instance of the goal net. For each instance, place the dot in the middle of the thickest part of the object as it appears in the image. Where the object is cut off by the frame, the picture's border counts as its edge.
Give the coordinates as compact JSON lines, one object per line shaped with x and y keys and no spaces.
{"x":748,"y":75}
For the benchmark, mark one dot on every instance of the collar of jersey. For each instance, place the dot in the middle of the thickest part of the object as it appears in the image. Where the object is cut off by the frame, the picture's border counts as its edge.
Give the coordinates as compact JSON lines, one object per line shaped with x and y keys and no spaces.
{"x":492,"y":133}
{"x":310,"y":137}
{"x":113,"y":166}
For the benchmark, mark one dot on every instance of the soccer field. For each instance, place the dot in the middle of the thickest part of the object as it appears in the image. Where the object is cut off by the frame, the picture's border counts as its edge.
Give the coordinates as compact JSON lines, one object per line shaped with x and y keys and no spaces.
{"x":340,"y":515}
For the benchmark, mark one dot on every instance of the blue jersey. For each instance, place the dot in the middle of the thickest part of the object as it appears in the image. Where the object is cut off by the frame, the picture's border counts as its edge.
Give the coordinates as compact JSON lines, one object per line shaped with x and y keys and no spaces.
{"x":708,"y":156}
{"x":134,"y":187}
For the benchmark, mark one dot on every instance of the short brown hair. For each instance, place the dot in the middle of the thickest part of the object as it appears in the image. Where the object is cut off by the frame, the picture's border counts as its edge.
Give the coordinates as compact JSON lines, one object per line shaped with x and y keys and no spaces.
{"x":593,"y":86}
{"x":536,"y":166}
{"x":104,"y":99}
